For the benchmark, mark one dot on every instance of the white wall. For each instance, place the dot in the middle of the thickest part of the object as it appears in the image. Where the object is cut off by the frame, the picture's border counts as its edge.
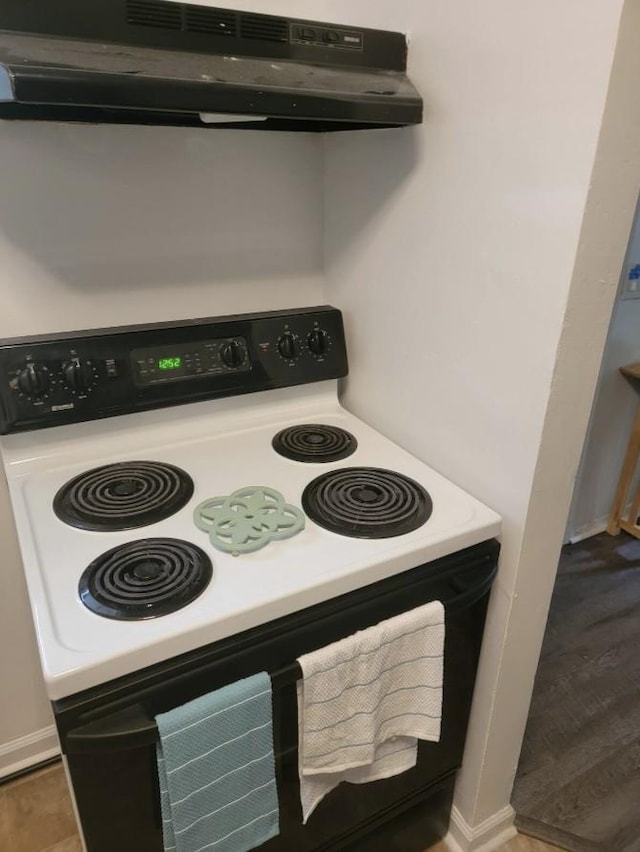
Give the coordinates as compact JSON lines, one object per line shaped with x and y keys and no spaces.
{"x":606,"y":225}
{"x":451,"y":249}
{"x":103,"y":226}
{"x":26,"y":724}
{"x":106,"y":225}
{"x":612,"y":416}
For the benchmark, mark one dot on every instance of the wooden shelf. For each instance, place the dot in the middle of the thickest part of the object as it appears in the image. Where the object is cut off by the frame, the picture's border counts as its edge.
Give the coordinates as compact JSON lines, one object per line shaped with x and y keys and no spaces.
{"x":617,"y":521}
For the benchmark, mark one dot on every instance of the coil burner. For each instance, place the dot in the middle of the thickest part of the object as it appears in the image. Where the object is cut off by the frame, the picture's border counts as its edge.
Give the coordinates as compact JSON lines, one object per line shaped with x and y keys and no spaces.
{"x":145,"y":579}
{"x":367,"y":502}
{"x":314,"y":442}
{"x":123,"y":496}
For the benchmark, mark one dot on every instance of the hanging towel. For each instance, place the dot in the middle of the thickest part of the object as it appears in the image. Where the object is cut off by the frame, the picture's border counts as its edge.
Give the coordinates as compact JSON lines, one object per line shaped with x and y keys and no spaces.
{"x":364,"y":702}
{"x":216,"y":770}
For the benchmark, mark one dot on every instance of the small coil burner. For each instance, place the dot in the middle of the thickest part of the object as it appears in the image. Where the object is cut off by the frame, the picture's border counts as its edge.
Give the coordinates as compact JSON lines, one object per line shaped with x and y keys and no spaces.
{"x":367,"y":502}
{"x":314,"y":442}
{"x":123,"y":496}
{"x":145,"y":579}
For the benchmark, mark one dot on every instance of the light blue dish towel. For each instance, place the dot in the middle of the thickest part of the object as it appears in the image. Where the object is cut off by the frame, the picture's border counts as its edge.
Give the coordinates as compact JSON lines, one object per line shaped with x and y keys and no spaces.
{"x":217,"y":770}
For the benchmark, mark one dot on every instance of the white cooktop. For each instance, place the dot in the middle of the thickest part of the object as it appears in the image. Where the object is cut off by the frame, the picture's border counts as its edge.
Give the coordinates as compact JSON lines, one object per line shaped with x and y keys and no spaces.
{"x":223,"y":445}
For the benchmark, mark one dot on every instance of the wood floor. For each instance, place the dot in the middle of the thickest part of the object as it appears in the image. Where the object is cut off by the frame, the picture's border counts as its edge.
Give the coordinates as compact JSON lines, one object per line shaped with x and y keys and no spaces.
{"x":579,"y":770}
{"x":518,"y":844}
{"x":36,"y":816}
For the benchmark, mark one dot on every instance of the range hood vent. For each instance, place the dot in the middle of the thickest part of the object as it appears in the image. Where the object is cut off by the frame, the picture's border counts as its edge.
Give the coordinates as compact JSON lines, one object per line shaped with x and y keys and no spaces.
{"x":264,"y":27}
{"x":162,"y":62}
{"x":154,"y":13}
{"x":200,"y":19}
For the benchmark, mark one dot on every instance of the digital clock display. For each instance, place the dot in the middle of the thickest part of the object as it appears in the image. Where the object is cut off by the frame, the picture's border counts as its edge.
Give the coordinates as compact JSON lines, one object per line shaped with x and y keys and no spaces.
{"x":170,"y":363}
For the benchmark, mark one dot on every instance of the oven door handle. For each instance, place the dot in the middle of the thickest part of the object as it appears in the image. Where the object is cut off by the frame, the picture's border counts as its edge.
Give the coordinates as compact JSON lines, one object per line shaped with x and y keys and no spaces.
{"x":126,"y":729}
{"x":132,"y":728}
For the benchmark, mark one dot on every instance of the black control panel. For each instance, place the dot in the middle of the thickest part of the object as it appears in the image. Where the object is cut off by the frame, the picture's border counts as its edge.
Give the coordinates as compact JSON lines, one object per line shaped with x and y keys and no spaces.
{"x":64,"y":378}
{"x":323,"y":36}
{"x":190,"y":360}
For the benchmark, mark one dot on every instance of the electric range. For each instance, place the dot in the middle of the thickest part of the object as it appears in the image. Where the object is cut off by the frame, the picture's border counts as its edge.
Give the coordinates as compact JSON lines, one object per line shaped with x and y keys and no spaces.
{"x":257,"y":376}
{"x":182,"y":486}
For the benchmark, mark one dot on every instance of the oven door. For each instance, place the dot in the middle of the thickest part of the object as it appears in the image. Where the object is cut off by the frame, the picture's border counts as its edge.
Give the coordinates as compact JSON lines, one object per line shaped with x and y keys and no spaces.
{"x":108,"y":734}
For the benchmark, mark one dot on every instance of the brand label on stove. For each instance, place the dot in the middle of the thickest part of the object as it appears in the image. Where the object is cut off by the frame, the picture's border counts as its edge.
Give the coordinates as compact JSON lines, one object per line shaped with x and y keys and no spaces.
{"x":65,"y":407}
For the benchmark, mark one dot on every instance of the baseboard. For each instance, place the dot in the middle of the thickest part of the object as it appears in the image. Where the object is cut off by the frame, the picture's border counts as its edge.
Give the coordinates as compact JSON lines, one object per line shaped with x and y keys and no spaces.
{"x":38,"y":747}
{"x":588,"y":530}
{"x":489,"y":835}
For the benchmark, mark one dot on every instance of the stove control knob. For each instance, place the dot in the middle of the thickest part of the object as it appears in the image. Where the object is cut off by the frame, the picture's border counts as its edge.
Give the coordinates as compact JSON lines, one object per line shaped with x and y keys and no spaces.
{"x":79,"y":374}
{"x":287,"y":346}
{"x":33,"y":380}
{"x":317,"y":341}
{"x":233,"y":354}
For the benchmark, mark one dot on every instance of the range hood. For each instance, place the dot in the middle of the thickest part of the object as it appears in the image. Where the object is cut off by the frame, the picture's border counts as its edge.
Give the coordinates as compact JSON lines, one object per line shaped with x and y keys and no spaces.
{"x":164,"y":62}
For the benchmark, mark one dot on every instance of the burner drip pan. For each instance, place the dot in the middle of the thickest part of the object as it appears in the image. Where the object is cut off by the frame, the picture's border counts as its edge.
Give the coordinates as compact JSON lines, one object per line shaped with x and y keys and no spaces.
{"x":123,"y":496}
{"x":367,"y":502}
{"x":145,"y":579}
{"x":314,"y":442}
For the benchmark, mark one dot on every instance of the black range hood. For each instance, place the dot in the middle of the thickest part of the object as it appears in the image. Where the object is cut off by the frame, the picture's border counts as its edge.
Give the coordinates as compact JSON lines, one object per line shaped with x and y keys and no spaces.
{"x":163,"y":62}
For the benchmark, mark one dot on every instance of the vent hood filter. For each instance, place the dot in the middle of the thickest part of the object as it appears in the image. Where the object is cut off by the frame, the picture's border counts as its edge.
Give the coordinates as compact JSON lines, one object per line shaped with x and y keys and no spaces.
{"x":162,"y":62}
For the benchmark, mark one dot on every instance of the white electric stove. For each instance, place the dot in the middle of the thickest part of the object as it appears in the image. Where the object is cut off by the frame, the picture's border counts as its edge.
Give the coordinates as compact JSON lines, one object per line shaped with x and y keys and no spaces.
{"x":194,"y":506}
{"x":222,"y":445}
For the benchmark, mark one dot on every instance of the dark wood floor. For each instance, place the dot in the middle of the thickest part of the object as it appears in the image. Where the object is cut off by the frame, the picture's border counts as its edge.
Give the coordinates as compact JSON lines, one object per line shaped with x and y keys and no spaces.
{"x":579,"y":769}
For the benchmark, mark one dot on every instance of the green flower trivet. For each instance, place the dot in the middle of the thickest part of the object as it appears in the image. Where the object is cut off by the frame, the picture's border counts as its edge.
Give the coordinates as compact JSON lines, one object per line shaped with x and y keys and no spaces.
{"x":248,"y":519}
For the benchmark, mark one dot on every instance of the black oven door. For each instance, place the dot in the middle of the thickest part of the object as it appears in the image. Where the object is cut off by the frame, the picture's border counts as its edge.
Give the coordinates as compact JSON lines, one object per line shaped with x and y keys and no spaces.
{"x":108,"y":733}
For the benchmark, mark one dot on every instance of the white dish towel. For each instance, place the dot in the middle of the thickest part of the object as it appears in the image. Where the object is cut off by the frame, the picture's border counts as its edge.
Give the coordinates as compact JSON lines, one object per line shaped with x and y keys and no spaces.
{"x":364,"y":702}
